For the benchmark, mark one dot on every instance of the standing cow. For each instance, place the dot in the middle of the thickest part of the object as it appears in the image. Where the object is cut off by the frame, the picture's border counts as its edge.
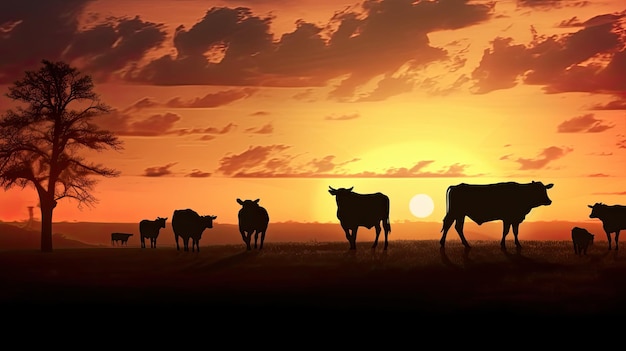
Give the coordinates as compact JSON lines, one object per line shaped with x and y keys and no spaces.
{"x":252,"y":219}
{"x":356,"y":210}
{"x":189,"y":224}
{"x":150,"y":230}
{"x":581,"y":238}
{"x":507,"y":201}
{"x":613,"y":219}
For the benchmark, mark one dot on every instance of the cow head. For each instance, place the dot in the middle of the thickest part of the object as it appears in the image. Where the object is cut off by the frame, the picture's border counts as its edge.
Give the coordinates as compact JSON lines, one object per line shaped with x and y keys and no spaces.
{"x":161,"y":221}
{"x":248,"y":203}
{"x":339,"y":191}
{"x":207,"y":221}
{"x":596,"y":209}
{"x":539,"y":194}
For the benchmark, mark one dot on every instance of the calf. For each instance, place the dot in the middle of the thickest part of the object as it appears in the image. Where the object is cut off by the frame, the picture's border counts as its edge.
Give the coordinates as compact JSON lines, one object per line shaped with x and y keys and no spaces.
{"x":581,"y":239}
{"x":122,"y":237}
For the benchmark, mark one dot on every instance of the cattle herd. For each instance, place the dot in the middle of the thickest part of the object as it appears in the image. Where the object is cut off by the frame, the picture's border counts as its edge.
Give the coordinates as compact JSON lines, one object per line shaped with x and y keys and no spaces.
{"x":509,"y":202}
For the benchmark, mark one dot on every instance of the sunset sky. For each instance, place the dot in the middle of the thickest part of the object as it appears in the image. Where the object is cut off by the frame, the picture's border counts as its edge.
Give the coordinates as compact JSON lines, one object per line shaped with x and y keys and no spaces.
{"x":278,"y":100}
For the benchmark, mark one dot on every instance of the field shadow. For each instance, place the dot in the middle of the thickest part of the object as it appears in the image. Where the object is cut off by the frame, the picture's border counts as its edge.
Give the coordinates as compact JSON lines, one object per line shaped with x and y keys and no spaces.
{"x":448,"y":263}
{"x":228,"y":262}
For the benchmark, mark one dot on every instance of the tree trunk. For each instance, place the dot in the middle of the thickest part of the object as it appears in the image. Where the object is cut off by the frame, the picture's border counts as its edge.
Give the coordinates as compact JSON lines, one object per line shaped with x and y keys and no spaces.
{"x":46,"y":225}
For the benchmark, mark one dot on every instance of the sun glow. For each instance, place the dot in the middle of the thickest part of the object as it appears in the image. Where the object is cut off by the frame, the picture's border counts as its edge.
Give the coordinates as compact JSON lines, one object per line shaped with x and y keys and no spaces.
{"x":421,"y":205}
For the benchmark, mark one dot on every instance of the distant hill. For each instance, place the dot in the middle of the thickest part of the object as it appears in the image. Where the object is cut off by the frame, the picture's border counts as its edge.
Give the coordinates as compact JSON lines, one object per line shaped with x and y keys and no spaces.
{"x":88,"y":234}
{"x":13,"y":237}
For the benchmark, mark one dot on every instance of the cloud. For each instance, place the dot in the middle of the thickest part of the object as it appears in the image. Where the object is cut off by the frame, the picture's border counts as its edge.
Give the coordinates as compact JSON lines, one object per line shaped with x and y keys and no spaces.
{"x":212,"y":100}
{"x":125,"y":124}
{"x":583,"y":124}
{"x":159,"y":171}
{"x":547,"y":4}
{"x":266,"y":129}
{"x":235,"y":47}
{"x":598,"y":175}
{"x":36,"y":29}
{"x":342,"y":117}
{"x":546,"y":157}
{"x":272,"y":162}
{"x":611,"y":105}
{"x":196,"y":173}
{"x":591,"y":59}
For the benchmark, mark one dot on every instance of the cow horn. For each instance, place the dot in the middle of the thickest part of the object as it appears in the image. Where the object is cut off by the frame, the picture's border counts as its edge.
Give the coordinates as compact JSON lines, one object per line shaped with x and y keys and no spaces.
{"x":589,"y":206}
{"x":350,"y":189}
{"x":330,"y":187}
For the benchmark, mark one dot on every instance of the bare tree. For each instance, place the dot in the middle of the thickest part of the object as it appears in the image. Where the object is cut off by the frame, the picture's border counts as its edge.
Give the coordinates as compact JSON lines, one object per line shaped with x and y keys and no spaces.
{"x":41,"y":139}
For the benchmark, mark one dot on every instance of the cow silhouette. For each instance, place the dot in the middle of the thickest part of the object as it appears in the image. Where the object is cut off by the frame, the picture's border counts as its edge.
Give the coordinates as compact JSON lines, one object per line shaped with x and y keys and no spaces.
{"x":506,"y":201}
{"x":613,"y":219}
{"x":149,"y":229}
{"x":581,"y":239}
{"x":356,"y":210}
{"x":253,"y":219}
{"x":188,"y":224}
{"x":121,"y":237}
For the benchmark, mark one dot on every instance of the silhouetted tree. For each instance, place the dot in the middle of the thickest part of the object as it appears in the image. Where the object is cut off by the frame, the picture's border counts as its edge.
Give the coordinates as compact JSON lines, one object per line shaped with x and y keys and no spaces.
{"x":40,"y":139}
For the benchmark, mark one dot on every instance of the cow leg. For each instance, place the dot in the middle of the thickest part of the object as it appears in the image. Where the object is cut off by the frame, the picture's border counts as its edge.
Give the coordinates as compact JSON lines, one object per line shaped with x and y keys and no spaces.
{"x":143,"y":243}
{"x":256,"y":238}
{"x":459,"y":229}
{"x":262,"y":239}
{"x":353,"y":242}
{"x":616,"y":239}
{"x":447,"y":223}
{"x":608,"y":238}
{"x":506,"y":226}
{"x":247,"y":239}
{"x":386,"y":237}
{"x":515,"y":232}
{"x":377,"y":235}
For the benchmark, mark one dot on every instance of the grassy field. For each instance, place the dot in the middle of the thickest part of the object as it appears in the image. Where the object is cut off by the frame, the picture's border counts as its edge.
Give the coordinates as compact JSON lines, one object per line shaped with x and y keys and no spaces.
{"x":543,"y":278}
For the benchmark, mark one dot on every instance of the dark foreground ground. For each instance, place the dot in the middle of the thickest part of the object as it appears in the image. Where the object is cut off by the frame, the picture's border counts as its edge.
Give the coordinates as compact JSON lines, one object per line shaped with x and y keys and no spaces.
{"x":411,"y":278}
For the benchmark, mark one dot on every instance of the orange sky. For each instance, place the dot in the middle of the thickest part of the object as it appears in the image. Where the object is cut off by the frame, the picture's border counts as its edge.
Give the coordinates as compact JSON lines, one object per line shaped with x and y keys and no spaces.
{"x":277,"y":100}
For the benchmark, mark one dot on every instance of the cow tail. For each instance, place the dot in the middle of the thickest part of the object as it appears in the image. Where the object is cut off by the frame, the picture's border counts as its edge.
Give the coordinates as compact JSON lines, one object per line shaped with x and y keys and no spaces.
{"x":387,"y":225}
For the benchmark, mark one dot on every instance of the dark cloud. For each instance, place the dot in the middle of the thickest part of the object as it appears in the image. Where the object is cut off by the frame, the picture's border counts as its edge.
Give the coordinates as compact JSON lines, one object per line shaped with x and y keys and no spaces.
{"x":125,"y":124}
{"x":209,"y":132}
{"x":378,"y":40}
{"x":589,"y":60}
{"x":196,"y":173}
{"x":611,"y":105}
{"x":583,"y":124}
{"x":272,"y":162}
{"x":159,"y":171}
{"x":598,"y":175}
{"x":342,"y":117}
{"x":547,"y":4}
{"x":213,"y":100}
{"x":38,"y":29}
{"x":265,"y":129}
{"x":546,"y":157}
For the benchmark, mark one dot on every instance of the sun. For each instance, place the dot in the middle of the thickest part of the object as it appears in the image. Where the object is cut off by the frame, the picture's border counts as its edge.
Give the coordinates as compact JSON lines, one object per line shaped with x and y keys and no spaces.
{"x":421,"y":205}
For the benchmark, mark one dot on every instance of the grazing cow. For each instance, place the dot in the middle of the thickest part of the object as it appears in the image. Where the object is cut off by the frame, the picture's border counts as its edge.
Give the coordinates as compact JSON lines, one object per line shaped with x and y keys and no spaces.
{"x":121,"y":237}
{"x":581,"y":239}
{"x":189,"y":224}
{"x":252,"y":219}
{"x":356,"y":210}
{"x":613,"y":219}
{"x":508,"y":201}
{"x":150,"y":230}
